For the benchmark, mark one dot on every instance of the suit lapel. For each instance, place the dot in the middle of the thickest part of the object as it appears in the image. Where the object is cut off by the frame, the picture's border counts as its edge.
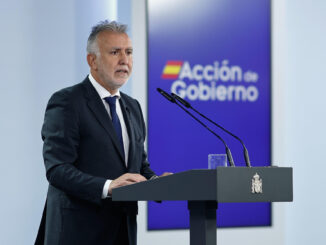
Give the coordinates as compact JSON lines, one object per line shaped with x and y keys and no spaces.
{"x":126,"y":116}
{"x":95,"y":104}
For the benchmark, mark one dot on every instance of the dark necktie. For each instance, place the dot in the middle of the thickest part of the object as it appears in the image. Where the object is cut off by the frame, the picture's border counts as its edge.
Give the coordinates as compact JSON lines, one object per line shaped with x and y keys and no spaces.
{"x":115,"y":120}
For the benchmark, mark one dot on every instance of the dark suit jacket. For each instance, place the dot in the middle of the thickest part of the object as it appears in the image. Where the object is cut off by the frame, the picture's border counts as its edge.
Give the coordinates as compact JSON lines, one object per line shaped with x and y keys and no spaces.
{"x":81,"y":151}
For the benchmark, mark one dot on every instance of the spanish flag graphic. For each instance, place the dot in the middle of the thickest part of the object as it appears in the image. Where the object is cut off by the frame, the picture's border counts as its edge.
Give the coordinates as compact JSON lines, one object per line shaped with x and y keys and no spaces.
{"x":172,"y":69}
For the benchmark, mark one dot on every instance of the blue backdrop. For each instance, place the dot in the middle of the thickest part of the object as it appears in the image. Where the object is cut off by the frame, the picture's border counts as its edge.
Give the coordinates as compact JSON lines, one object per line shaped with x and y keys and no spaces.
{"x":216,"y":55}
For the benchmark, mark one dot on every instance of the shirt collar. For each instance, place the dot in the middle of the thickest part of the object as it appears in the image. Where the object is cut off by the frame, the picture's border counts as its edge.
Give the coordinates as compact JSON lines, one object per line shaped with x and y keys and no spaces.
{"x":103,"y":93}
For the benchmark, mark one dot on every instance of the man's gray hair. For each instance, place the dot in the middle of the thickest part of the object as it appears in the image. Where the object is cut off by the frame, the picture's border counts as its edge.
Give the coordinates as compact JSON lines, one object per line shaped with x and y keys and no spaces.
{"x":105,"y":25}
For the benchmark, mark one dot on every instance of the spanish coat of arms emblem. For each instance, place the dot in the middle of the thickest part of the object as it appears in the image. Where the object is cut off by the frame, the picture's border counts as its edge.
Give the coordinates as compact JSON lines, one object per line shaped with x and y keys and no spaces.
{"x":256,"y":184}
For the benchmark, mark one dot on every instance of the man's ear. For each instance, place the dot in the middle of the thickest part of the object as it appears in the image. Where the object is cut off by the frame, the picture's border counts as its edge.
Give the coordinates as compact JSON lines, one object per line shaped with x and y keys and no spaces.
{"x":91,"y":60}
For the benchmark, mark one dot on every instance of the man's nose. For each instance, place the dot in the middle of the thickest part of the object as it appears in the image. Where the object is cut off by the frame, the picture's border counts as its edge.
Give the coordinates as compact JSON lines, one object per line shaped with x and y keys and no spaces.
{"x":124,"y":59}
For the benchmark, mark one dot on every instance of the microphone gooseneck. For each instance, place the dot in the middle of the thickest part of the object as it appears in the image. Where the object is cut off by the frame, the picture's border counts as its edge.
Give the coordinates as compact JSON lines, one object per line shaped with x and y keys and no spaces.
{"x":188,"y":105}
{"x":173,"y":100}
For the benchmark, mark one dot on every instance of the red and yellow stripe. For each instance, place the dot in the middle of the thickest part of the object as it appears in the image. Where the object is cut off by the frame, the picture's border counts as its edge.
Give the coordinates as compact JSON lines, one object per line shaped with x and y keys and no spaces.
{"x":172,"y":69}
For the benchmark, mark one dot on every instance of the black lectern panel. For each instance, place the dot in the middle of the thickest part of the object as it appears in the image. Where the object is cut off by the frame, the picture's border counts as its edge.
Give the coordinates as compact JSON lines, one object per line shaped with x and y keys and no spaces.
{"x":226,"y":184}
{"x":273,"y":184}
{"x":189,"y":185}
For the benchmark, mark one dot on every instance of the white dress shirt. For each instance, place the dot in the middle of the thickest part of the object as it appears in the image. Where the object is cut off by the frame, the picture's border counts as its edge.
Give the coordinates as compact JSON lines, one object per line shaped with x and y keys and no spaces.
{"x":103,"y":93}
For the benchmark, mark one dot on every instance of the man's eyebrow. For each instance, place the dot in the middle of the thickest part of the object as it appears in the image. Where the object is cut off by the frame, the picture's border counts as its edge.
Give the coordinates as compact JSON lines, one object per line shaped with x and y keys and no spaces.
{"x":119,"y":48}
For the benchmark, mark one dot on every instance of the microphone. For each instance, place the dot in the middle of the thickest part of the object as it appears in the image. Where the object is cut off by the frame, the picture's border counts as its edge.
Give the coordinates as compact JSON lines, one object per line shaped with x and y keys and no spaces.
{"x":173,"y":100}
{"x":187,"y":105}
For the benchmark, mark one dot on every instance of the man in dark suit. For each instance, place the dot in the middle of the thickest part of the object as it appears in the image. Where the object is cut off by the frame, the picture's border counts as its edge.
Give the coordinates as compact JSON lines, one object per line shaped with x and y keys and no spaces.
{"x":93,"y":142}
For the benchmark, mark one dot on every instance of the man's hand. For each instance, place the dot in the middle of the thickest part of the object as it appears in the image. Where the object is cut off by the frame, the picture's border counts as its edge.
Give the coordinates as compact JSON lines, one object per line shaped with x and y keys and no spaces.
{"x":125,"y":179}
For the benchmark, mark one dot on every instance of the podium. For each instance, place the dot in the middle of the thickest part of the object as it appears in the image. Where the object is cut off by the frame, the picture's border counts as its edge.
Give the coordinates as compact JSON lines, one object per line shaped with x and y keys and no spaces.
{"x":204,"y":189}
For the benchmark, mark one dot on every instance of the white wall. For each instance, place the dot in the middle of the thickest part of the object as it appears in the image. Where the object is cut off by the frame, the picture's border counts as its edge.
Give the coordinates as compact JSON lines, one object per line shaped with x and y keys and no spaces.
{"x":305,"y":122}
{"x":43,"y":49}
{"x":36,"y":44}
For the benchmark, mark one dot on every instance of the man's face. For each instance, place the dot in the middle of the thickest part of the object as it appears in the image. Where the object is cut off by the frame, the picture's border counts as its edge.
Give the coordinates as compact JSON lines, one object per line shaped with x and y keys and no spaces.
{"x":113,"y":65}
